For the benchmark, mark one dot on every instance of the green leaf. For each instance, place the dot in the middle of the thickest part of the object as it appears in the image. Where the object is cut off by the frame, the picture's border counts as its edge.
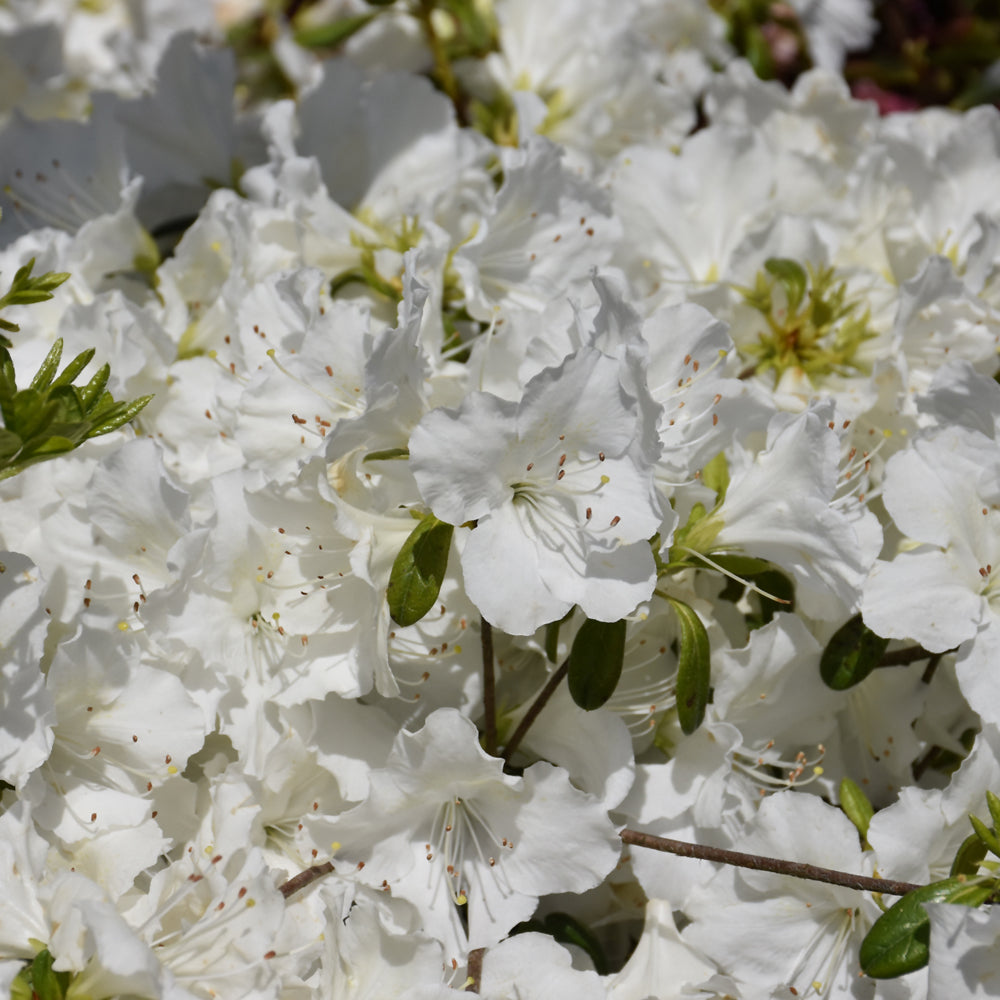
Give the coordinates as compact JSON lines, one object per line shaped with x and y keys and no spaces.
{"x":693,"y":667}
{"x":25,"y":290}
{"x":971,"y":851}
{"x":418,"y":570}
{"x":595,"y":662}
{"x":92,"y":392}
{"x":387,"y":455}
{"x":985,"y":834}
{"x":37,"y":981}
{"x":851,"y":655}
{"x":329,"y":36}
{"x":48,"y":368}
{"x":899,"y":941}
{"x":994,"y":806}
{"x":122,"y":414}
{"x":27,"y":413}
{"x":792,"y":277}
{"x":856,"y":806}
{"x":70,"y":372}
{"x":10,"y":444}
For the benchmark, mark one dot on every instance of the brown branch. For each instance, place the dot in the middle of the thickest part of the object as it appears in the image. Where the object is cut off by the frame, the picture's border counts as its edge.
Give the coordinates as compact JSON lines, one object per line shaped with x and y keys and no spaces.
{"x":300,"y":881}
{"x":536,"y":709}
{"x":904,"y":657}
{"x":758,"y":863}
{"x":474,"y":965}
{"x":489,"y":689}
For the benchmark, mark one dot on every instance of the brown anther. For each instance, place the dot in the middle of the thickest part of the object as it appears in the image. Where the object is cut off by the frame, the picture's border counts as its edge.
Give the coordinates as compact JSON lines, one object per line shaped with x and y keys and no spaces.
{"x":269,"y":954}
{"x":589,"y":513}
{"x":562,"y":459}
{"x":562,"y":473}
{"x":615,"y":520}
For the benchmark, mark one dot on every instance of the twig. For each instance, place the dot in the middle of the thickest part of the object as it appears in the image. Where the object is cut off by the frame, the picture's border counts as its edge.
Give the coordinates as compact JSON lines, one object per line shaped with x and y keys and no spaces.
{"x":300,"y":881}
{"x":489,"y":689}
{"x":758,"y":863}
{"x":474,"y":964}
{"x":904,"y":657}
{"x":536,"y":708}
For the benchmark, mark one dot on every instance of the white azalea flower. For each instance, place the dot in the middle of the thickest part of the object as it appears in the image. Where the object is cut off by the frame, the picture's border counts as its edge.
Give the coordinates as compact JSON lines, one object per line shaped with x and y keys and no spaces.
{"x":943,"y":493}
{"x":444,"y":827}
{"x":768,"y":930}
{"x":561,"y":490}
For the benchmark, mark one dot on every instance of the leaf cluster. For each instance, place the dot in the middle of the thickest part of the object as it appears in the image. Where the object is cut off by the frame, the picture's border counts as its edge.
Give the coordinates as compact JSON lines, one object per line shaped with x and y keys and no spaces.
{"x":52,"y":415}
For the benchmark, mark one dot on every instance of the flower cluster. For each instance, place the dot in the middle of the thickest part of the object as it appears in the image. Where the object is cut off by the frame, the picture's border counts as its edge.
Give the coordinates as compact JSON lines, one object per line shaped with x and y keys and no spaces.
{"x":604,"y":359}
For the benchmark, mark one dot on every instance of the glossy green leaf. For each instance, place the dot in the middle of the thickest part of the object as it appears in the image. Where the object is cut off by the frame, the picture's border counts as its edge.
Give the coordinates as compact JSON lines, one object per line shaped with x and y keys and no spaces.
{"x":329,"y":36}
{"x":971,"y":851}
{"x":48,"y":368}
{"x":985,"y":834}
{"x":852,"y":653}
{"x":792,"y":277}
{"x":595,"y":662}
{"x":92,"y":392}
{"x":993,"y":802}
{"x":120,"y":415}
{"x":856,"y":806}
{"x":418,"y":570}
{"x":899,"y":941}
{"x":693,"y":667}
{"x":70,"y":372}
{"x":27,"y":413}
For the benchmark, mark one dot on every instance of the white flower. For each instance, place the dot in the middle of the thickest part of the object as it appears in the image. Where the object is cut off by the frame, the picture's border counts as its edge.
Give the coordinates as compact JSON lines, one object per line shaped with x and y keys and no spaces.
{"x":942,"y":589}
{"x":964,"y":958}
{"x":443,"y":825}
{"x":768,"y":929}
{"x":783,"y":507}
{"x":562,"y":494}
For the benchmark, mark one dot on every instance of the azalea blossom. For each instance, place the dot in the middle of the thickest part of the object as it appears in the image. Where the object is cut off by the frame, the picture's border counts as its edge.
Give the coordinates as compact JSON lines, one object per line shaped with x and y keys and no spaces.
{"x":561,"y":491}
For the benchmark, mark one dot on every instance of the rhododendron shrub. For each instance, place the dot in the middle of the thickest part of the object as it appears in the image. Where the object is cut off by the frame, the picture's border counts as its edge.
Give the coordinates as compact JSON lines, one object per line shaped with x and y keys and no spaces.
{"x":517,"y":472}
